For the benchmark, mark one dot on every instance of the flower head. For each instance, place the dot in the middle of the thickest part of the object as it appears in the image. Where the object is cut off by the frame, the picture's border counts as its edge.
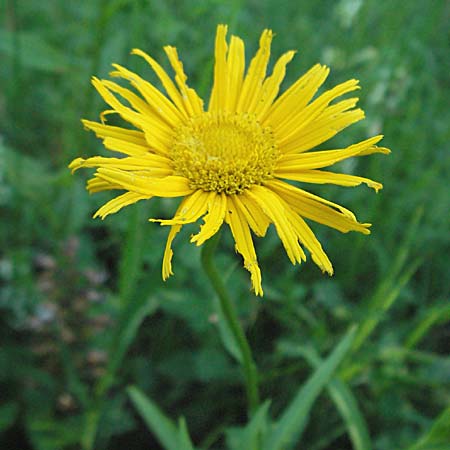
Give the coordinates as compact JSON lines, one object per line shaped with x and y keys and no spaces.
{"x":235,"y":160}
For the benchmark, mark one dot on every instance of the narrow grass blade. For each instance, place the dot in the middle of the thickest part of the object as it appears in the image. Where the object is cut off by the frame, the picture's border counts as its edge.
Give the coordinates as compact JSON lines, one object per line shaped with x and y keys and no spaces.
{"x":125,"y":332}
{"x":127,"y":328}
{"x":347,"y":406}
{"x":161,"y":426}
{"x":436,"y":315}
{"x":73,"y":379}
{"x":170,"y":437}
{"x":381,"y":302}
{"x":292,"y":422}
{"x":251,"y":436}
{"x":184,"y":439}
{"x":390,"y":287}
{"x":438,"y":437}
{"x":256,"y":428}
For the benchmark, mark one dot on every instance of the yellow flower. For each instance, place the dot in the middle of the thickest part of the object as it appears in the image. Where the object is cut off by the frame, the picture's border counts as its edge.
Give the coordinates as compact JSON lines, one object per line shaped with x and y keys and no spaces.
{"x":228,"y":161}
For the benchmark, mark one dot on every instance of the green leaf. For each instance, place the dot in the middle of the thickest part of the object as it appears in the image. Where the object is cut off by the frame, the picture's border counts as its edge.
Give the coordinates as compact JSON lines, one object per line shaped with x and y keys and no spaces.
{"x":162,"y":427}
{"x":226,"y":335}
{"x":250,"y":437}
{"x":292,"y":422}
{"x":438,"y":437}
{"x":228,"y":340}
{"x":156,"y":421}
{"x":8,"y":414}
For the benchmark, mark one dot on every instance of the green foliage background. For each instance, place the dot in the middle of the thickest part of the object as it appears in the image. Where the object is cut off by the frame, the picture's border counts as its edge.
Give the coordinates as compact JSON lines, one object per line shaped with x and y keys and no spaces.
{"x":84,"y":311}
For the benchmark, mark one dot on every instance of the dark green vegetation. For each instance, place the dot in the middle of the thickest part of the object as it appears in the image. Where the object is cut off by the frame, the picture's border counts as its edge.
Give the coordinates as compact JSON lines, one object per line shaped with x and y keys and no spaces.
{"x":84,"y":312}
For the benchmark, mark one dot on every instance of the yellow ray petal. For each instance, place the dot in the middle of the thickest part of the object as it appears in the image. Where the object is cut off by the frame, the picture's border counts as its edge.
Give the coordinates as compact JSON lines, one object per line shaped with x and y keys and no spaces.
{"x":171,"y":186}
{"x":190,"y":210}
{"x":295,"y":99}
{"x":271,"y":86}
{"x":166,"y":81}
{"x":332,"y":120}
{"x":157,"y":139}
{"x":293,"y":124}
{"x":193,"y":103}
{"x":256,"y":73}
{"x":96,"y":184}
{"x":273,"y":207}
{"x":219,"y":91}
{"x":131,"y":149}
{"x":375,"y":149}
{"x":126,"y":147}
{"x":325,"y":158}
{"x":157,"y":132}
{"x":217,"y":204}
{"x":143,"y":162}
{"x":98,"y":161}
{"x":244,"y":243}
{"x":324,"y":177}
{"x":235,"y":69}
{"x":142,"y":165}
{"x":318,"y":209}
{"x":136,"y":102}
{"x":253,"y":214}
{"x":154,"y":120}
{"x":118,"y":203}
{"x":106,"y":112}
{"x":168,"y":253}
{"x":108,"y":131}
{"x":159,"y":103}
{"x":309,"y":240}
{"x":126,"y":113}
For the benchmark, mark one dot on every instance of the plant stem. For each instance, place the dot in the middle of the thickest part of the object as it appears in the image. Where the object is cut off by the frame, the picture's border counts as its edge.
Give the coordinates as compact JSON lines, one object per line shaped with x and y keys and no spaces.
{"x":229,"y":313}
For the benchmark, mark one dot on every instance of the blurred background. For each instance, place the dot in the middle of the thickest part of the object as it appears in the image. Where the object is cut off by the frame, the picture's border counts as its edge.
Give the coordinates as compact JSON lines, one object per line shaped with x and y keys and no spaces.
{"x":83,"y":309}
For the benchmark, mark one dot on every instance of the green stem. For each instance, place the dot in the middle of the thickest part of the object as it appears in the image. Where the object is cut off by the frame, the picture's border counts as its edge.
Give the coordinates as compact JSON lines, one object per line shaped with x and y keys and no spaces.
{"x":229,"y":312}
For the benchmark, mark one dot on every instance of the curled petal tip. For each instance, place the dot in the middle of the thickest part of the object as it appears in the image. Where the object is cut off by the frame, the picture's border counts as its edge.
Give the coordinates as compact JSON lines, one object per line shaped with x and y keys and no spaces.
{"x":76,"y":164}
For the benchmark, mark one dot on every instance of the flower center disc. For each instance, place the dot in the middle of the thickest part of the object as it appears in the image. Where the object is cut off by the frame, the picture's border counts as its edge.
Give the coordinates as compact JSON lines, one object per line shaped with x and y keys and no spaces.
{"x":224,"y":152}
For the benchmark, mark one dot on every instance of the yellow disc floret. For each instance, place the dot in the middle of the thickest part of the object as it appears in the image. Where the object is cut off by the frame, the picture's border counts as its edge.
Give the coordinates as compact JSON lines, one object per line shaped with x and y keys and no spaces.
{"x":224,"y":152}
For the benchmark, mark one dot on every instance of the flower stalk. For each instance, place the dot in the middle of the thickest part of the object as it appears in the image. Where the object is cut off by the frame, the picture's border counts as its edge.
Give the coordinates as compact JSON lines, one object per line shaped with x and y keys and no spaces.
{"x":229,"y":313}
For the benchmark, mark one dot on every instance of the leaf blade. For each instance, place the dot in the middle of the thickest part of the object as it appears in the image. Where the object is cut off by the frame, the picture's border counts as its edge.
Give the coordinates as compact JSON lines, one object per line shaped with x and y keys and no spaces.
{"x":161,"y":426}
{"x":294,"y":419}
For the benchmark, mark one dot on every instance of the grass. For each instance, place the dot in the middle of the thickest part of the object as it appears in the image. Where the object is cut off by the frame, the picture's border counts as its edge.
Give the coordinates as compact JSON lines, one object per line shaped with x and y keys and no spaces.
{"x":84,"y":312}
